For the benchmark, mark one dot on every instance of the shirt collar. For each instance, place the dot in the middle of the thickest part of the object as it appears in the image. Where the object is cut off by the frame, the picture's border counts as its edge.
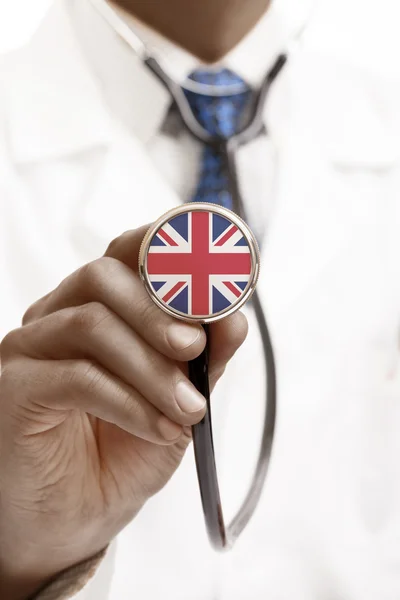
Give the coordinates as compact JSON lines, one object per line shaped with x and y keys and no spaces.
{"x":136,"y":96}
{"x":64,"y":92}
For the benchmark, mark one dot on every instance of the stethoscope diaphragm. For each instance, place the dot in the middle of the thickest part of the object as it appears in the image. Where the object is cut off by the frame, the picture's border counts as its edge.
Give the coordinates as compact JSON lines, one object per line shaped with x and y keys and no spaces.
{"x":199,"y":262}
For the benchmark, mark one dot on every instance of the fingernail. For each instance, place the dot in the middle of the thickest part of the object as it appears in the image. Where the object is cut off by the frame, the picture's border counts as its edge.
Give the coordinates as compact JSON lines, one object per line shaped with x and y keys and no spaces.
{"x":168,"y":429}
{"x":181,"y":336}
{"x":188,"y":399}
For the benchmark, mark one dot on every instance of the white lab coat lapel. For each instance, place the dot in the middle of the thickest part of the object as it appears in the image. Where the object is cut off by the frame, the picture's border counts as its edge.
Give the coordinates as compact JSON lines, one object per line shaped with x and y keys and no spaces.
{"x":125,"y":192}
{"x":325,"y":131}
{"x":57,"y":116}
{"x":307,"y":229}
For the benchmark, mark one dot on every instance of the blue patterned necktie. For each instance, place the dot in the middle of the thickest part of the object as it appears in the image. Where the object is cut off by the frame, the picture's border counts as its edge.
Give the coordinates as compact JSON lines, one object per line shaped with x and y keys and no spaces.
{"x":222,"y":116}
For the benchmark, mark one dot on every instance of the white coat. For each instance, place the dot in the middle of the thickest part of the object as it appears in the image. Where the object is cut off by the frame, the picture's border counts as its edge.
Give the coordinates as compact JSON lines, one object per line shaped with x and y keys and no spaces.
{"x":328,"y":525}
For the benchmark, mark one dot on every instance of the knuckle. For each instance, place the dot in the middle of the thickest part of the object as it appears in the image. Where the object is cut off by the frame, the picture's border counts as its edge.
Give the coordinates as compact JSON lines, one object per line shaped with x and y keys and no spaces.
{"x":119,"y":242}
{"x":129,"y":404}
{"x":30,"y":314}
{"x":11,"y":374}
{"x":35,"y":310}
{"x":91,"y":274}
{"x":9,"y":344}
{"x":152,"y":320}
{"x":126,"y":247}
{"x":88,"y":317}
{"x":70,"y":376}
{"x":148,"y":316}
{"x":21,"y":384}
{"x":94,"y":275}
{"x":83,"y":376}
{"x":94,"y":377}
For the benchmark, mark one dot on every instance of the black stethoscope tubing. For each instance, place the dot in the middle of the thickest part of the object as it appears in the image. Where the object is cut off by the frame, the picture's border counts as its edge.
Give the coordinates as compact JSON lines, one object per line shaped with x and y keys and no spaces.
{"x":221,"y":536}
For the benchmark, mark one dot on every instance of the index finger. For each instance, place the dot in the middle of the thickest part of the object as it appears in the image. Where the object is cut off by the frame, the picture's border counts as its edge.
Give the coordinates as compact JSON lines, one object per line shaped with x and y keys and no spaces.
{"x":111,"y":281}
{"x":126,"y":247}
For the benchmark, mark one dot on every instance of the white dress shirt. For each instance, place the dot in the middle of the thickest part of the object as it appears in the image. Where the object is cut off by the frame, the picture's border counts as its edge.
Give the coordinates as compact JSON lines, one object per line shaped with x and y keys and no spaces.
{"x":84,"y":156}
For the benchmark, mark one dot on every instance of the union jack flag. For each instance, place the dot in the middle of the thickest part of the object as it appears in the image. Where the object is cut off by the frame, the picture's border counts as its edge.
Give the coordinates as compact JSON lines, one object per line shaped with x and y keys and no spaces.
{"x":199,"y":263}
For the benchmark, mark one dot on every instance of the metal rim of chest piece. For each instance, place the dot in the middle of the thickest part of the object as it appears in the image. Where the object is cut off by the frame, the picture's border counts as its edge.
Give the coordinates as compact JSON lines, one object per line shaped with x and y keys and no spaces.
{"x":225,"y":230}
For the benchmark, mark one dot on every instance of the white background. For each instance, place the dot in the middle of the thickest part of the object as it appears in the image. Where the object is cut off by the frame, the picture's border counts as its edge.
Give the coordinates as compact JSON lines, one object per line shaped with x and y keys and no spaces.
{"x":18,"y":19}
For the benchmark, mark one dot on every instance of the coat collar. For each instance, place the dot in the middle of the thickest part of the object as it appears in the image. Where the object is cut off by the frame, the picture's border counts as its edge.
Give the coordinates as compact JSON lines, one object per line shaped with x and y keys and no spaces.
{"x":67,"y":88}
{"x":57,"y":103}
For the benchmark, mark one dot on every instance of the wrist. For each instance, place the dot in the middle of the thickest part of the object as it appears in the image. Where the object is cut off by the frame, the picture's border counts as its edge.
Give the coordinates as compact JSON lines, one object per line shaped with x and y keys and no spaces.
{"x":24,"y":568}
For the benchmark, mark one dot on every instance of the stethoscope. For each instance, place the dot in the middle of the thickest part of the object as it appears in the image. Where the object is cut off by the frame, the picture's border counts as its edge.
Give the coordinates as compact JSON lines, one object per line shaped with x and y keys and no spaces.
{"x":221,"y":536}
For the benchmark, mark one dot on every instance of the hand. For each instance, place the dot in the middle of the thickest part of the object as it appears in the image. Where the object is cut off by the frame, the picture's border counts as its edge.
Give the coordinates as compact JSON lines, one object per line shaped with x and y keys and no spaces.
{"x":95,"y":413}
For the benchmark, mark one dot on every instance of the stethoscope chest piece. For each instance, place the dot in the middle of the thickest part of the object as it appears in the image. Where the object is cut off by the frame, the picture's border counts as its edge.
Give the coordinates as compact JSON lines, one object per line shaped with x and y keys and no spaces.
{"x":199,"y":262}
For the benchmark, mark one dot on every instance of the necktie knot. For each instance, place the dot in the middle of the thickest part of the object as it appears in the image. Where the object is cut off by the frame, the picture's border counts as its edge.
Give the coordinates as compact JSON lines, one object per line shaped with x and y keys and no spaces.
{"x":221,"y":113}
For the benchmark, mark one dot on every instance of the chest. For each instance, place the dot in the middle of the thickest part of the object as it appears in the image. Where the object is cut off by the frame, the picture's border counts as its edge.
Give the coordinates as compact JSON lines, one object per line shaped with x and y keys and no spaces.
{"x":324,"y":230}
